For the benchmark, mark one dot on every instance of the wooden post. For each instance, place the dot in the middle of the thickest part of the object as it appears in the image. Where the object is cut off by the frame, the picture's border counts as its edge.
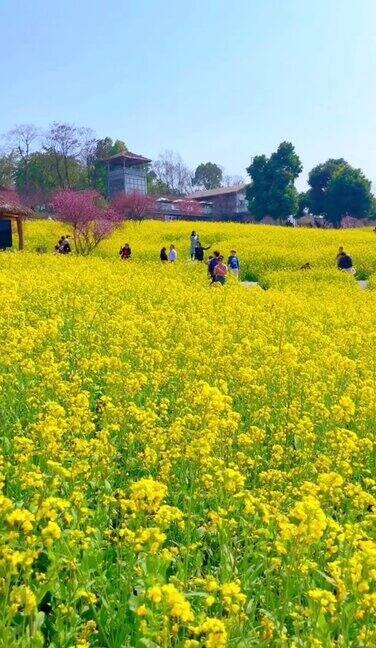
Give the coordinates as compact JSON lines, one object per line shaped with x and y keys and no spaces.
{"x":20,"y":233}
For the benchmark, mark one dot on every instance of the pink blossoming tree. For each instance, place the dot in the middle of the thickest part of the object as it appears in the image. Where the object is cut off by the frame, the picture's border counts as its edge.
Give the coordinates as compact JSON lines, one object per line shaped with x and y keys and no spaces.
{"x":189,"y":208}
{"x":91,"y":223}
{"x":134,"y":206}
{"x":9,"y":196}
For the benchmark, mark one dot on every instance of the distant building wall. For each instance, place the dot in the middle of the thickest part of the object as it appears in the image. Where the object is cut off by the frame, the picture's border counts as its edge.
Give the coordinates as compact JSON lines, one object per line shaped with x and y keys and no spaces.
{"x":223,"y":203}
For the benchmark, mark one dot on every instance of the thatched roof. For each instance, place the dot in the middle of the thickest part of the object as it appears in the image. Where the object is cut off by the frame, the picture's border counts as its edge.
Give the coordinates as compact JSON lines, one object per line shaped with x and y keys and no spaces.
{"x":8,"y":209}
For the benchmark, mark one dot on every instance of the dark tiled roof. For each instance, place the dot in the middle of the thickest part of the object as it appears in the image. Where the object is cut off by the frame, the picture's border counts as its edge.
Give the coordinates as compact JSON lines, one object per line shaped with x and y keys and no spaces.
{"x":127,"y":155}
{"x":208,"y":193}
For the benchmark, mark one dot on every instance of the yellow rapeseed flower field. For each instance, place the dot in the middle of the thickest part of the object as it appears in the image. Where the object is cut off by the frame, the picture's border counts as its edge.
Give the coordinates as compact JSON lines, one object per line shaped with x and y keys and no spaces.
{"x":185,"y":466}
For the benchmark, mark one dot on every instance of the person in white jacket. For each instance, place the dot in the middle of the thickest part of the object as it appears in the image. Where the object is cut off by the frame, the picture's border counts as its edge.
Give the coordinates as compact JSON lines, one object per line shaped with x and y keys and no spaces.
{"x":172,"y":255}
{"x":194,"y":239}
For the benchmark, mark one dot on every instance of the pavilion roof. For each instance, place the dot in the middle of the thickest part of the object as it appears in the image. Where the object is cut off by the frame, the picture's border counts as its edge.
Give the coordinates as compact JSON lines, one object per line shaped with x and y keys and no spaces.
{"x":131,"y":157}
{"x":14,"y":209}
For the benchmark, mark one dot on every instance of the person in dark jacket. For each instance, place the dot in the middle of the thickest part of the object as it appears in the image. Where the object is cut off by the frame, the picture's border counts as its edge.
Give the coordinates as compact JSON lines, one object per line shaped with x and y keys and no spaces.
{"x":163,"y":255}
{"x":66,"y":248}
{"x":212,"y":263}
{"x":199,"y":251}
{"x":125,"y":252}
{"x":344,"y":262}
{"x":233,"y":264}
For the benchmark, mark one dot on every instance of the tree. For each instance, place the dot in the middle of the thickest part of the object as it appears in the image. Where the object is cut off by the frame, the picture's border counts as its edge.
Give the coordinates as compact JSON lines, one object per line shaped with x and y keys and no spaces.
{"x":87,"y":152}
{"x":64,"y":142}
{"x":134,"y":206}
{"x":319,"y":179}
{"x":21,"y":140}
{"x":8,"y":166}
{"x":229,"y":180}
{"x":303,"y":204}
{"x":173,"y":173}
{"x":90,"y":222}
{"x":348,"y":194}
{"x":189,"y":208}
{"x":208,"y":175}
{"x":9,"y":196}
{"x":156,"y":187}
{"x":43,"y":172}
{"x":337,"y":189}
{"x":272,"y":191}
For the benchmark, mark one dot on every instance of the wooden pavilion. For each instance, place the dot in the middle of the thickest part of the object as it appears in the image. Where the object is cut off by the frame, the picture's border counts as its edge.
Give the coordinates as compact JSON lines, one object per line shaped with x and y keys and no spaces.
{"x":14,"y":212}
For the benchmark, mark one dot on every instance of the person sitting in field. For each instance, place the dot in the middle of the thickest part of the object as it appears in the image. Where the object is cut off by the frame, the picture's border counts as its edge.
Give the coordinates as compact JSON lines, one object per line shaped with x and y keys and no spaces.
{"x":220,"y":271}
{"x":125,"y":252}
{"x":172,"y":255}
{"x":340,"y":251}
{"x":66,"y":245}
{"x":63,"y":246}
{"x":344,"y":262}
{"x":212,"y":263}
{"x":199,"y":251}
{"x":163,"y":255}
{"x":233,"y":263}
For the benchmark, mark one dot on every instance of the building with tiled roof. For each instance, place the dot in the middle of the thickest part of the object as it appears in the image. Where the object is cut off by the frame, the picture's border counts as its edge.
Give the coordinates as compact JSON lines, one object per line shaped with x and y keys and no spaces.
{"x":126,"y":172}
{"x":223,"y":202}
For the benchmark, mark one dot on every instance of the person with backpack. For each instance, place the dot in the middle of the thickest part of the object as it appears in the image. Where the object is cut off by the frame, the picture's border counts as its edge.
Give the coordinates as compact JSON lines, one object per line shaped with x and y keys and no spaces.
{"x":233,"y":264}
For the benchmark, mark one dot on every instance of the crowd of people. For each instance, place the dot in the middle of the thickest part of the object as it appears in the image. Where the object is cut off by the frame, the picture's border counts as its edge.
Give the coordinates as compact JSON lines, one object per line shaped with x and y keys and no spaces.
{"x":218,"y":269}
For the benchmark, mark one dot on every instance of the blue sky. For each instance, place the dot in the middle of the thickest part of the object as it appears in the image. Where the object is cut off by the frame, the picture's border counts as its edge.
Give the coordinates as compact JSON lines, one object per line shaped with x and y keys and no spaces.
{"x":212,"y":79}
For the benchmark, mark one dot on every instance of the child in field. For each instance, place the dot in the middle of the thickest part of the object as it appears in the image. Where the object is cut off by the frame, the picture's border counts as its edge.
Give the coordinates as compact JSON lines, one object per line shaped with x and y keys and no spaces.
{"x":233,"y":264}
{"x":172,"y":255}
{"x":163,"y":255}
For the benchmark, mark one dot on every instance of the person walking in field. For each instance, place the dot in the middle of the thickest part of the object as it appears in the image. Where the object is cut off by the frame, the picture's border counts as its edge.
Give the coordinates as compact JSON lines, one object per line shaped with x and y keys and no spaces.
{"x":163,"y":255}
{"x":194,"y":239}
{"x":199,"y":251}
{"x":220,"y":271}
{"x":125,"y":252}
{"x":172,"y":255}
{"x":212,"y":263}
{"x":344,"y":262}
{"x":233,"y":264}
